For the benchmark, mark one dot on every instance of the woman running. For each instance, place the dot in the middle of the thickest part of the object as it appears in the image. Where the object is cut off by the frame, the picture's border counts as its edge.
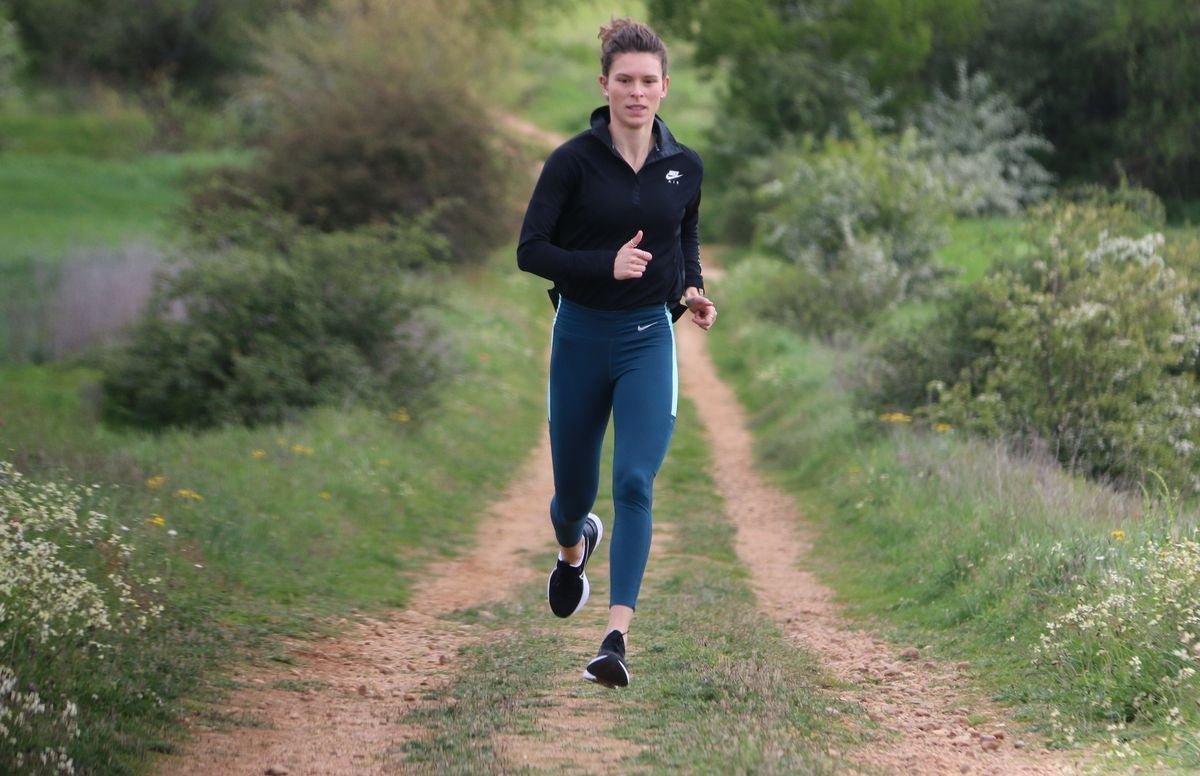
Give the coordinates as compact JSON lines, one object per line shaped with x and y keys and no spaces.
{"x":614,"y":223}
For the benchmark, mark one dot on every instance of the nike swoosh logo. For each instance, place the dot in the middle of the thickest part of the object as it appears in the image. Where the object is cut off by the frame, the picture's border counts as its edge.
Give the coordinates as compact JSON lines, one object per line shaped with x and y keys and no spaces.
{"x":647,"y":326}
{"x":672,"y":175}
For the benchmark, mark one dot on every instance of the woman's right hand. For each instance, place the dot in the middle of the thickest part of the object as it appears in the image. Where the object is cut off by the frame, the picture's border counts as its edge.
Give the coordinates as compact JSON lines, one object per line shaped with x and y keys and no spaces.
{"x":631,"y":262}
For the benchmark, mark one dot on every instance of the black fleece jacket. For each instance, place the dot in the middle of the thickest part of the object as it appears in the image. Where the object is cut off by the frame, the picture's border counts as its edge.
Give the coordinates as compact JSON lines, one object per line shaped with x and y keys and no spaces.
{"x":588,"y":202}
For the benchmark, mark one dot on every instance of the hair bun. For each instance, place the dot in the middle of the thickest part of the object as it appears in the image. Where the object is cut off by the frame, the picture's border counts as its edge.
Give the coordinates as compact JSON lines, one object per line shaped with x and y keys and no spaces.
{"x":608,"y":31}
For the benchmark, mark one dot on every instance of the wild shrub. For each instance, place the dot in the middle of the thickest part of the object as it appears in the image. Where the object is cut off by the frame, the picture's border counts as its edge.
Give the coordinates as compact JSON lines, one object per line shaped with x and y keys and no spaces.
{"x":1130,"y":647}
{"x":255,"y":332}
{"x":860,"y":218}
{"x":978,"y":141}
{"x":1086,"y":348}
{"x":373,"y":111}
{"x":67,"y":587}
{"x":905,"y":358}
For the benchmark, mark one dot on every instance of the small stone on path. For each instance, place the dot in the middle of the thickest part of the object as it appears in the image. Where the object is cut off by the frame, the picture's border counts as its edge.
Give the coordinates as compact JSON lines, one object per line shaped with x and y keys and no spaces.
{"x":276,"y":770}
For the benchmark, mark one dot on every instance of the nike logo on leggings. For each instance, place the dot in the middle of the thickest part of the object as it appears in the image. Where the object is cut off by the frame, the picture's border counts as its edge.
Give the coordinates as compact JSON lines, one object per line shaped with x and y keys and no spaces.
{"x":647,"y":326}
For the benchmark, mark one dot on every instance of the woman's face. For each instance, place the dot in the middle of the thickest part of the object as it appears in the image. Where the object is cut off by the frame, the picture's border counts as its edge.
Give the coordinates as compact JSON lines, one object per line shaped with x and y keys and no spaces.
{"x":635,"y":85}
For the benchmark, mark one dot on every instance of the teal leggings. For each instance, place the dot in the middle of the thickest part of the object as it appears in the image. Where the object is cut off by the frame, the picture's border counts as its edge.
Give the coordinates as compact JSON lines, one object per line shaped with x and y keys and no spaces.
{"x":618,"y":362}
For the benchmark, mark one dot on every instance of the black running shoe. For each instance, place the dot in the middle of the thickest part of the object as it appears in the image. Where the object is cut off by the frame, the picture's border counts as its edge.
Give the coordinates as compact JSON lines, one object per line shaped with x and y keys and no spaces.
{"x":568,"y":587}
{"x":608,"y":666}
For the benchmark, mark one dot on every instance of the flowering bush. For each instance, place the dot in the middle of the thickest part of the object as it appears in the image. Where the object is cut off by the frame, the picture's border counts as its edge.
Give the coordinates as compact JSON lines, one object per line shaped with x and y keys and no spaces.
{"x":1131,"y":645}
{"x":1087,"y":347}
{"x":978,"y":142}
{"x":66,"y":582}
{"x":24,"y":716}
{"x":1087,"y":351}
{"x":860,"y":219}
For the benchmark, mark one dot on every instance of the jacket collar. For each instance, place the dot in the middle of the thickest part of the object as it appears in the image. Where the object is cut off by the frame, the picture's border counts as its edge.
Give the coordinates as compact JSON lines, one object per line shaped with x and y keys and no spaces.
{"x":664,"y":142}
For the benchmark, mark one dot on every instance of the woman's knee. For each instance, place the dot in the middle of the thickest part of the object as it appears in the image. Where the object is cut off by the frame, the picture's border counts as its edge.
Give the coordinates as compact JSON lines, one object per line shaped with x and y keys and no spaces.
{"x":633,"y":486}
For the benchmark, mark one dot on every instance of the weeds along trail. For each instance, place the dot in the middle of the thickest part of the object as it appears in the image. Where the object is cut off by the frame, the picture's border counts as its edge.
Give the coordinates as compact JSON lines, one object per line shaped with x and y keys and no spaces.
{"x":928,"y":720}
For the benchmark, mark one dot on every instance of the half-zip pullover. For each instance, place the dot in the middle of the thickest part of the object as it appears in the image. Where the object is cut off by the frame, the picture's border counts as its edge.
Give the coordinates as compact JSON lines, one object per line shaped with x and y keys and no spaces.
{"x":588,"y":202}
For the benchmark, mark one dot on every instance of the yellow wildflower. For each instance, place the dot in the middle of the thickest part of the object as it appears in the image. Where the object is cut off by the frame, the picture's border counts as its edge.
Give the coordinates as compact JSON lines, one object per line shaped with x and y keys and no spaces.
{"x":156,"y":520}
{"x":302,"y":450}
{"x":895,"y":417}
{"x":190,"y":494}
{"x":382,"y":462}
{"x":259,"y":454}
{"x":1118,"y":535}
{"x":156,"y":481}
{"x":942,"y":428}
{"x":401,"y":415}
{"x":854,"y":470}
{"x":326,"y":495}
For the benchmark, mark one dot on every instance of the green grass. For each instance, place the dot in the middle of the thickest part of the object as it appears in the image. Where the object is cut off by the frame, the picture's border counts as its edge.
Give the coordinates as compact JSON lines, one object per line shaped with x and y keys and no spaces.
{"x":944,"y":540}
{"x":344,"y":508}
{"x":60,"y":212}
{"x":555,"y":83}
{"x":978,"y":243}
{"x":49,"y":204}
{"x":717,"y":688}
{"x":116,"y":131}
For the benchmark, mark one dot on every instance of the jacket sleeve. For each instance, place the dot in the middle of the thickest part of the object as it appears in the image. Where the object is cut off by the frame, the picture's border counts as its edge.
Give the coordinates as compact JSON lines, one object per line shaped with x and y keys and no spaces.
{"x":536,"y":250}
{"x":689,"y":239}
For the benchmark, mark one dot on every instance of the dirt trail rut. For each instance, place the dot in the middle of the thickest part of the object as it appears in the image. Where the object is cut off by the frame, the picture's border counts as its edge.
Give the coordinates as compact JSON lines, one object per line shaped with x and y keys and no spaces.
{"x":922,"y":707}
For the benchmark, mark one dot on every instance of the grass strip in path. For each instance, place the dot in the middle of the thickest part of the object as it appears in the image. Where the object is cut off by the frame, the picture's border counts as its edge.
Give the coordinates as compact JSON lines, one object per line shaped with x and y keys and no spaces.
{"x":716,"y":686}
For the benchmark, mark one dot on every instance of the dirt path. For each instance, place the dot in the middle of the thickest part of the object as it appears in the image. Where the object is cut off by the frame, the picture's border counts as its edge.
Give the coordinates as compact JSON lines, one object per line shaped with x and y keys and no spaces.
{"x":339,"y":710}
{"x":357,"y":687}
{"x":923,"y":708}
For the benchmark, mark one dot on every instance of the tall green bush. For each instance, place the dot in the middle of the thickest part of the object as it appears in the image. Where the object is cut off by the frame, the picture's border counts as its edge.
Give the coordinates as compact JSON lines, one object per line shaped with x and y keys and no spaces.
{"x":979,"y":142}
{"x":273,"y":325}
{"x":374,"y":111}
{"x":860,"y":219}
{"x":1084,"y":346}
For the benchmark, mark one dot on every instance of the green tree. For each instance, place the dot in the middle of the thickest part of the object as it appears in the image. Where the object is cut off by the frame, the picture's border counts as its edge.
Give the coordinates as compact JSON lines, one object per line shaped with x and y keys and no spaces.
{"x":1158,"y":135}
{"x":1114,"y":85}
{"x":134,"y":43}
{"x":804,"y":69}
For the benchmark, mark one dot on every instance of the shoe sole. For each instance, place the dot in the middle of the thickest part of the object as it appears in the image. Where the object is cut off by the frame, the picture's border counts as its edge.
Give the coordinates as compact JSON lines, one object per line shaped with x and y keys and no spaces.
{"x":587,"y":587}
{"x":609,"y":673}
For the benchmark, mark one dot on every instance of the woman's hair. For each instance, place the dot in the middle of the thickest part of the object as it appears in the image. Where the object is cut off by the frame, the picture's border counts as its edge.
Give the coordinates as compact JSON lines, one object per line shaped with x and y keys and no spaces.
{"x":623,"y":36}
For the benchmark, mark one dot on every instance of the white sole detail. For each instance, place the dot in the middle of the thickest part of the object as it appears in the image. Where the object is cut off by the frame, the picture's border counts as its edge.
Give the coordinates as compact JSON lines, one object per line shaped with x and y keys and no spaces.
{"x":587,"y":587}
{"x":587,"y":674}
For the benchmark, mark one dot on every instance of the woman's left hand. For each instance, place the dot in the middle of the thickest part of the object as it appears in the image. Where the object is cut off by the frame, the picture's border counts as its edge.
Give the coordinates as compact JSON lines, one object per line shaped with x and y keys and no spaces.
{"x":704,"y":312}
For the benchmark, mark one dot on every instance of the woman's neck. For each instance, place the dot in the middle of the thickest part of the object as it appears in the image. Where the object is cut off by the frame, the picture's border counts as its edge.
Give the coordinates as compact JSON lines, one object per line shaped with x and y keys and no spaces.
{"x":633,"y":144}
